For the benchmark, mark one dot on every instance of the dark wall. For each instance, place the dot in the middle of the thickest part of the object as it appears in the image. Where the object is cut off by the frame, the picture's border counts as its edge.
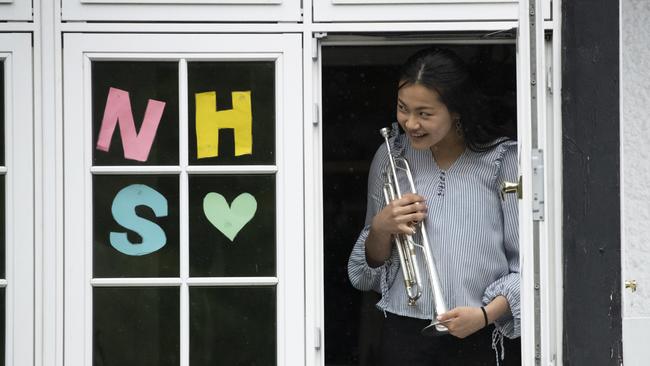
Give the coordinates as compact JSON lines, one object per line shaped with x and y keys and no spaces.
{"x":592,"y":231}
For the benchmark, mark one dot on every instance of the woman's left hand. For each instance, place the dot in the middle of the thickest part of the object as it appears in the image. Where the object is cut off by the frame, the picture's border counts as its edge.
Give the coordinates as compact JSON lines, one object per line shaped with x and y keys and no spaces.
{"x":463,"y":321}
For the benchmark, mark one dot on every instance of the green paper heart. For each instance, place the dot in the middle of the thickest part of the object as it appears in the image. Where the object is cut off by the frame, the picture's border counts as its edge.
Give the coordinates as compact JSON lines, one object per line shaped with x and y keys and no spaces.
{"x":229,"y":219}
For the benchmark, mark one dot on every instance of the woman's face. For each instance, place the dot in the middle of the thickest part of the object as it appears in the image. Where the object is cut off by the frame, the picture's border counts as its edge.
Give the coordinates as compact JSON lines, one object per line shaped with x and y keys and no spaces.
{"x":424,"y":118}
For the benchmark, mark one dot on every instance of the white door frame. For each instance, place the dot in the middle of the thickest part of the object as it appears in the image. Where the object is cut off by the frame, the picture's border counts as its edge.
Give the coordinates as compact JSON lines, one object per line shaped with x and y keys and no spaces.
{"x":548,"y":231}
{"x":18,"y":172}
{"x":541,"y":239}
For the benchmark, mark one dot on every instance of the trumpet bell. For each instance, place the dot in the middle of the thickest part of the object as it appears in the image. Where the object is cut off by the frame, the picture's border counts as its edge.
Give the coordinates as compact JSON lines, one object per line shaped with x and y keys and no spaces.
{"x":435,"y":329}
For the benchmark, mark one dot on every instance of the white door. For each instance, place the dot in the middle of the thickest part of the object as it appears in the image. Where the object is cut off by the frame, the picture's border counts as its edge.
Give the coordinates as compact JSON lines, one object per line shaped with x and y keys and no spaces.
{"x":635,"y":174}
{"x":183,"y":185}
{"x":16,"y":201}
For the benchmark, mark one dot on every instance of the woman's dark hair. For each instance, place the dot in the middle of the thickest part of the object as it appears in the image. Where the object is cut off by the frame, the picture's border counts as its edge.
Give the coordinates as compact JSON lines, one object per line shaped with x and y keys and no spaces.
{"x":445,"y":72}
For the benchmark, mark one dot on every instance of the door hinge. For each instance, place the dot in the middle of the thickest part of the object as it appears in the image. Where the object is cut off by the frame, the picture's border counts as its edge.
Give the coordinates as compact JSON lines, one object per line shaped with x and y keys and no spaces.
{"x":317,"y":338}
{"x":314,"y":44}
{"x":315,"y":118}
{"x":538,"y":184}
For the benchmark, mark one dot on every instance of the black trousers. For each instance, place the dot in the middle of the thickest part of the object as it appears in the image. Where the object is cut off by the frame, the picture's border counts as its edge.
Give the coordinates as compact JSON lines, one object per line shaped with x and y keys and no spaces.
{"x":402,"y":344}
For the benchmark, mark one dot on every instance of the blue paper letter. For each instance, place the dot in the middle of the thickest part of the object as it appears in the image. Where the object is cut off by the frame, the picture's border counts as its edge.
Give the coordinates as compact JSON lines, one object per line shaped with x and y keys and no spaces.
{"x":124,"y":204}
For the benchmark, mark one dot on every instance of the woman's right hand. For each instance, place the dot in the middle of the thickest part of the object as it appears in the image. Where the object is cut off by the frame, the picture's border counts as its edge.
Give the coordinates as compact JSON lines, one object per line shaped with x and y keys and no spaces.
{"x":399,"y":216}
{"x":396,"y":218}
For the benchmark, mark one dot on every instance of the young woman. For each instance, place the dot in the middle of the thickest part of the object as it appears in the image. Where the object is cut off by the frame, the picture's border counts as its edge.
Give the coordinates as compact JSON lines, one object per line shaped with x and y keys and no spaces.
{"x":458,"y":159}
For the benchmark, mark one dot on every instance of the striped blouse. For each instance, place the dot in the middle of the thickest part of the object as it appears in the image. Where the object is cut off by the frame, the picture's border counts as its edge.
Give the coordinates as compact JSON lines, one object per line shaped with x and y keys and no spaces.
{"x":472,"y":232}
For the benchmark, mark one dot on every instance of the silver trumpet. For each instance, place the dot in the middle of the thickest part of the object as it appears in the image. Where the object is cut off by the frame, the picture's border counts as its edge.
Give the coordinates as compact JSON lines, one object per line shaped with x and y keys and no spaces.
{"x":406,"y":245}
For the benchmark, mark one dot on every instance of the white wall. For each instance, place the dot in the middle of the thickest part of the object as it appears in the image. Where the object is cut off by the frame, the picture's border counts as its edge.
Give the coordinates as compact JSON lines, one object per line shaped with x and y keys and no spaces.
{"x":636,"y":151}
{"x":635,"y":170}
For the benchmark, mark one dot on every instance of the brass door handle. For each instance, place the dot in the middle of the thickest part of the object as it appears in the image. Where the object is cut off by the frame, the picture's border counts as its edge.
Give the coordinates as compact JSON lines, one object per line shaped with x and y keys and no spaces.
{"x":631,"y":284}
{"x":510,"y":187}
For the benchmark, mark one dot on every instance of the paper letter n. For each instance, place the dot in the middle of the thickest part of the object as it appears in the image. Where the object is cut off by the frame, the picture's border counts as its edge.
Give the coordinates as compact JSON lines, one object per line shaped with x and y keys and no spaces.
{"x":209,"y":121}
{"x":118,"y":110}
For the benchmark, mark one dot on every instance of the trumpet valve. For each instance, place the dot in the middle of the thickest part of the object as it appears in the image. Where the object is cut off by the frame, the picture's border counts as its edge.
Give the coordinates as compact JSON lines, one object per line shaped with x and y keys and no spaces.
{"x":412,"y":301}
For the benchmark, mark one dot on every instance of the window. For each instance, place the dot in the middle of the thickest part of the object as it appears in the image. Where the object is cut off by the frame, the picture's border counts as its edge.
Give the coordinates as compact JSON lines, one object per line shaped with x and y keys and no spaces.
{"x":182,"y":244}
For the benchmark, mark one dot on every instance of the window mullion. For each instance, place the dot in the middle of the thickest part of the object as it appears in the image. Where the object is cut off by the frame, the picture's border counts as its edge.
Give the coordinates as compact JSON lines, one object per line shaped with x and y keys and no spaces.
{"x":184,"y":216}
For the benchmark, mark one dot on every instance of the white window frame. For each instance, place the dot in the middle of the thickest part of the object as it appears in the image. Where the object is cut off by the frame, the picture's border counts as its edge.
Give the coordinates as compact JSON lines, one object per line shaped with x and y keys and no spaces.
{"x":16,"y":52}
{"x":179,"y":10}
{"x":79,"y":51}
{"x":419,"y":10}
{"x":548,"y":132}
{"x":540,"y":239}
{"x":15,"y":10}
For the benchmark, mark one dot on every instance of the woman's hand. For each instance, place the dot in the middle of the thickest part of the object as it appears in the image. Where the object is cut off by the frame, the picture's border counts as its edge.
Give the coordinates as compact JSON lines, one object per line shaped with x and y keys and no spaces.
{"x":396,"y":218}
{"x":463,"y":321}
{"x":400,"y":214}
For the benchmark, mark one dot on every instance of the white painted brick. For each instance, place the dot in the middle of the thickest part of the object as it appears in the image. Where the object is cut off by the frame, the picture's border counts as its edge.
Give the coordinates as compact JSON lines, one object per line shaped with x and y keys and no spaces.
{"x":636,"y":154}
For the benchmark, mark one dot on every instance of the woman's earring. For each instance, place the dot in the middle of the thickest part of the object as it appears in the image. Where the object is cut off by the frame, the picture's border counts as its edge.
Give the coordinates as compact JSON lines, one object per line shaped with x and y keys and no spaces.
{"x":459,"y":127}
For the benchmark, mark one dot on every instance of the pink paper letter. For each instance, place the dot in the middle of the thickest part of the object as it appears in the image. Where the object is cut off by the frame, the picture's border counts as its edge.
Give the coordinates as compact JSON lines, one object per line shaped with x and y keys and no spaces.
{"x":118,"y":110}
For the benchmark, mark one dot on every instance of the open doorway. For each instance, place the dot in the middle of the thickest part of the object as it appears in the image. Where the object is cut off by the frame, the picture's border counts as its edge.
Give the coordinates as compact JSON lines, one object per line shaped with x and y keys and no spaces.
{"x":358,"y":98}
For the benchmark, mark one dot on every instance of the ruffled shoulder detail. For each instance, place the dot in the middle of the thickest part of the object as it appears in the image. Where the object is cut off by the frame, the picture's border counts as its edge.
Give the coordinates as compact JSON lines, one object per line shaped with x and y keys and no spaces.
{"x":505,"y":147}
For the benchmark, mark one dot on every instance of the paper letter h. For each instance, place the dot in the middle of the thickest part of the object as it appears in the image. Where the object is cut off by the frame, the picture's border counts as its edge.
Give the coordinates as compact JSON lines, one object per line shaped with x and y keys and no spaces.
{"x":118,"y":110}
{"x":209,"y":122}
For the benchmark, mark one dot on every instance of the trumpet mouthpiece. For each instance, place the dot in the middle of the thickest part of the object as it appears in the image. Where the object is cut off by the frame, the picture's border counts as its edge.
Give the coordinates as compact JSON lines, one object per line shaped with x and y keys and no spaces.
{"x":384,"y":132}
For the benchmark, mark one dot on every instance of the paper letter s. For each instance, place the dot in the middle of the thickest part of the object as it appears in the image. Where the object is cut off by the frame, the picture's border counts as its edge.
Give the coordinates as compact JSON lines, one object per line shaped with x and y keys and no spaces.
{"x":124,"y":204}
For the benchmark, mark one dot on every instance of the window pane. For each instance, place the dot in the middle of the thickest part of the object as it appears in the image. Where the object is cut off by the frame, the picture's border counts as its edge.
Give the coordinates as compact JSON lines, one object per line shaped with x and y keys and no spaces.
{"x":136,"y":326}
{"x":135,"y":226}
{"x":2,"y":113}
{"x":233,"y":326}
{"x":352,"y":323}
{"x":3,"y":223}
{"x":235,"y":100}
{"x":132,"y":92}
{"x":3,"y":314}
{"x":232,"y":226}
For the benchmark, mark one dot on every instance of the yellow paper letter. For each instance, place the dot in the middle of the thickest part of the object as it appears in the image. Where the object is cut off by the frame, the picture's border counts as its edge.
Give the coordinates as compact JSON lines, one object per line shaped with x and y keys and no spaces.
{"x":209,"y":121}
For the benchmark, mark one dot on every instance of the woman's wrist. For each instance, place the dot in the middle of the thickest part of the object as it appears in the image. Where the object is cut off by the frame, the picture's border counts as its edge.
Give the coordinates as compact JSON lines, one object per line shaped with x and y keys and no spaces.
{"x":497,"y":308}
{"x":378,"y":247}
{"x":485,"y":317}
{"x":378,"y":228}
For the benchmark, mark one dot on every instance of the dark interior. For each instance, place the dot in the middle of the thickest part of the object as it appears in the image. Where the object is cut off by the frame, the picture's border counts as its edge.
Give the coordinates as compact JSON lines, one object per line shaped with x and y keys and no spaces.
{"x":358,"y":94}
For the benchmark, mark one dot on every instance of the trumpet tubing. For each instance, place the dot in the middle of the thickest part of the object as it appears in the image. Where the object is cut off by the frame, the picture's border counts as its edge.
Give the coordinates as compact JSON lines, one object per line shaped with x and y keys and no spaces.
{"x":407,"y":246}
